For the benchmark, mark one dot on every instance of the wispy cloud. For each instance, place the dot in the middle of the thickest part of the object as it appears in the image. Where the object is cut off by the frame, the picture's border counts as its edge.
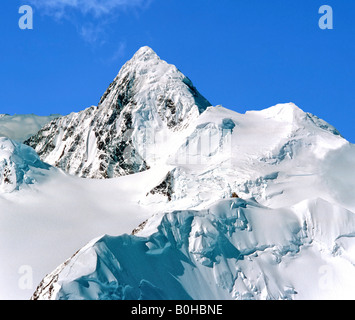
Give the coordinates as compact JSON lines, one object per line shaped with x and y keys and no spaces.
{"x":120,"y":51}
{"x":97,"y":8}
{"x":91,"y":32}
{"x":90,"y":17}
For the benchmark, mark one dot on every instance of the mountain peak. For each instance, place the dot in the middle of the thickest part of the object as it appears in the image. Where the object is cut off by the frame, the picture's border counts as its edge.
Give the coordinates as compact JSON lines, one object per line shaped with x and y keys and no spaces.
{"x":146,"y":53}
{"x":144,"y":76}
{"x":284,"y":112}
{"x":148,"y":95}
{"x":144,"y":62}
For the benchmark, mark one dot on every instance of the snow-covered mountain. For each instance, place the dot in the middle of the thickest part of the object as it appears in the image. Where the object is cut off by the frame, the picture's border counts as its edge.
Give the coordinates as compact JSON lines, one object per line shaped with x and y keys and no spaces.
{"x":203,"y":244}
{"x":147,"y":101}
{"x":203,"y":202}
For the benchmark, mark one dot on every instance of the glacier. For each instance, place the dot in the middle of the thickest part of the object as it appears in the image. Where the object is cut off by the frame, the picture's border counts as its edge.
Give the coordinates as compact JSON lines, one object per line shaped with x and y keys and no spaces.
{"x":156,"y":194}
{"x":19,"y":165}
{"x":235,"y":249}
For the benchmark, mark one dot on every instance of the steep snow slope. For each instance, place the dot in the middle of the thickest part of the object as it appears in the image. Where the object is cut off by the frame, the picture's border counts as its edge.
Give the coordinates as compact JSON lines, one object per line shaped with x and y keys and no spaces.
{"x":20,"y":127}
{"x":148,"y":101}
{"x":236,"y":249}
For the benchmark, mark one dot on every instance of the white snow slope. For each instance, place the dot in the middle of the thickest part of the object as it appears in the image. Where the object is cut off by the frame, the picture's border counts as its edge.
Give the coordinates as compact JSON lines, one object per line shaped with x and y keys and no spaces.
{"x":290,"y":235}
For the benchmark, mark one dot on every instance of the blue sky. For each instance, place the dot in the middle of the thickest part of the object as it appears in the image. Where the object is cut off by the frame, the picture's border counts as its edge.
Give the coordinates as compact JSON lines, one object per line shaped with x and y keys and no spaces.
{"x":245,"y":55}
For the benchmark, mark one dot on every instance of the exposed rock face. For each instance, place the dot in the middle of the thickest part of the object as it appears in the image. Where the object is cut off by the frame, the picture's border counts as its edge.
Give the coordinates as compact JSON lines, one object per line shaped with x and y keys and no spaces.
{"x":165,"y":188}
{"x":148,"y":96}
